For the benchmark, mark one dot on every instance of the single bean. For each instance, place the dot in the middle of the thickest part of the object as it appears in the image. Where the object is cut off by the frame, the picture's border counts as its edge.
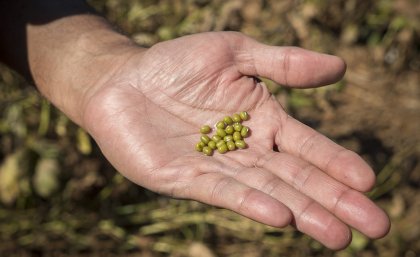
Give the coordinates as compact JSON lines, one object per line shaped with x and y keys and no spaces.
{"x":221,"y":132}
{"x":236,"y":118}
{"x":237,"y":136}
{"x":229,"y":130}
{"x":237,"y":127}
{"x":240,"y":144}
{"x":212,"y":144}
{"x":244,"y":115}
{"x":222,"y":149}
{"x":220,"y":124}
{"x":205,"y":139}
{"x":244,"y":131}
{"x":205,"y":129}
{"x":207,"y":151}
{"x":231,"y":145}
{"x":228,"y":120}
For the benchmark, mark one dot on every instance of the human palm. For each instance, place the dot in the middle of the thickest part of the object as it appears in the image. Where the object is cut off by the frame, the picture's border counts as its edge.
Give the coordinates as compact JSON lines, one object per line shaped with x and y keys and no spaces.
{"x":146,"y":120}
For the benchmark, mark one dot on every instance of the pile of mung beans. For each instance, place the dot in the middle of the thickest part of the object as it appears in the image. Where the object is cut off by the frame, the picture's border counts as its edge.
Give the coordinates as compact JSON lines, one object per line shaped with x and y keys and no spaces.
{"x":229,"y":135}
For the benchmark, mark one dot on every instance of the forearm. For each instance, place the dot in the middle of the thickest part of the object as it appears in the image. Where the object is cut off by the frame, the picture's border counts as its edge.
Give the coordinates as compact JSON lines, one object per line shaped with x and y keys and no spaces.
{"x":63,"y":46}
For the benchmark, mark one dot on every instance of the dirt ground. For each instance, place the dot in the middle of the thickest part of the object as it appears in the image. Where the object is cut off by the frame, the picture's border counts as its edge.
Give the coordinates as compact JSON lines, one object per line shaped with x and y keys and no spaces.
{"x":82,"y":207}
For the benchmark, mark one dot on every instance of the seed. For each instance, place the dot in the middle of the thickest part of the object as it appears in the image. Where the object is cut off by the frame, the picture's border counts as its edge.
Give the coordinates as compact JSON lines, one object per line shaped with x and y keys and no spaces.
{"x":229,"y":130}
{"x":237,"y":127}
{"x":240,"y":144}
{"x":221,"y":142}
{"x":222,"y":149}
{"x":244,"y":131}
{"x":228,"y":120}
{"x":228,"y":138}
{"x":199,"y":146}
{"x":244,"y":115}
{"x":220,"y":124}
{"x":207,"y":151}
{"x":231,"y":145}
{"x":205,"y":129}
{"x":212,"y":144}
{"x":236,"y":118}
{"x":216,"y":138}
{"x":205,"y":139}
{"x":221,"y":132}
{"x":229,"y":134}
{"x":237,"y":136}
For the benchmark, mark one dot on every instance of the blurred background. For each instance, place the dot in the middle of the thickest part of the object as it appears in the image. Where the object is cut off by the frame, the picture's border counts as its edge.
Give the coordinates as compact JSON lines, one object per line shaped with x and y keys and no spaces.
{"x":60,"y":197}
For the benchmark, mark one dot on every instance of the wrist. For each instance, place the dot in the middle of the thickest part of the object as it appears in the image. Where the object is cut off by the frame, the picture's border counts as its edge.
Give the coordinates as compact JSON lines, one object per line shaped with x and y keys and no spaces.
{"x":98,"y":56}
{"x":75,"y":64}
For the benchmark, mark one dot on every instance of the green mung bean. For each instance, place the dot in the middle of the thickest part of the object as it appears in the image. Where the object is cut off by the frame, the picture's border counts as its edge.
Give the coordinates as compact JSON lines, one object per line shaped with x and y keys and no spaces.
{"x":236,"y":118}
{"x":244,"y":115}
{"x":228,"y":138}
{"x":221,"y":132}
{"x":222,"y":148}
{"x":231,"y":145}
{"x":237,"y":126}
{"x":244,"y":131}
{"x":229,"y":130}
{"x":237,"y":136}
{"x":221,"y":142}
{"x":212,"y":144}
{"x":240,"y":144}
{"x":228,"y":120}
{"x":229,"y":135}
{"x":205,"y":129}
{"x":216,"y":138}
{"x":199,"y":146}
{"x":207,"y":151}
{"x":220,"y":124}
{"x":205,"y":139}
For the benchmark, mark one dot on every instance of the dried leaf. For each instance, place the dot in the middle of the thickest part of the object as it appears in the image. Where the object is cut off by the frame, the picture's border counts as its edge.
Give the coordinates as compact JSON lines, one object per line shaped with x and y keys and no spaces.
{"x":14,"y":177}
{"x":46,"y":178}
{"x":83,"y":142}
{"x":198,"y":249}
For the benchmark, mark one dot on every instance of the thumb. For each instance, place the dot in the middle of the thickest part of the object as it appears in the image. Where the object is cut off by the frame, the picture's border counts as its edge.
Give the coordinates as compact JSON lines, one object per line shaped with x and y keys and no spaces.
{"x":289,"y":66}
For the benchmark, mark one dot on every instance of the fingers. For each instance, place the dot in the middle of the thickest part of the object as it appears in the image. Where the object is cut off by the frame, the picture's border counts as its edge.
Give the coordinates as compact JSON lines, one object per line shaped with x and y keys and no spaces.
{"x":344,"y":165}
{"x":309,"y":216}
{"x":223,"y":191}
{"x":348,"y":205}
{"x":290,"y":66}
{"x":281,"y":187}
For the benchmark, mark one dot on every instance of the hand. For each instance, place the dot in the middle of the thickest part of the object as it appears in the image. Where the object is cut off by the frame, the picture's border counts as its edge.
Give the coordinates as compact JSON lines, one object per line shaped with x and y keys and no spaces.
{"x":146,"y":119}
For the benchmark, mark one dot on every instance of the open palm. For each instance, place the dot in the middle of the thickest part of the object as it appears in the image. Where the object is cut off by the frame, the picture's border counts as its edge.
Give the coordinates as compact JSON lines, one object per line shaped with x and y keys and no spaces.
{"x":146,"y":120}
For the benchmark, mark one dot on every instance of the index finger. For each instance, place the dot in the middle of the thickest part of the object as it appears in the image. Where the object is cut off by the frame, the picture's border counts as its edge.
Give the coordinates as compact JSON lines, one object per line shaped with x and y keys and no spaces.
{"x":340,"y":163}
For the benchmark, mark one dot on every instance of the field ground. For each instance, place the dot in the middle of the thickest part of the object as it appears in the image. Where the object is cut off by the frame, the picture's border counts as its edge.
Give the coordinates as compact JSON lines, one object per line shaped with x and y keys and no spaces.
{"x":79,"y":206}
